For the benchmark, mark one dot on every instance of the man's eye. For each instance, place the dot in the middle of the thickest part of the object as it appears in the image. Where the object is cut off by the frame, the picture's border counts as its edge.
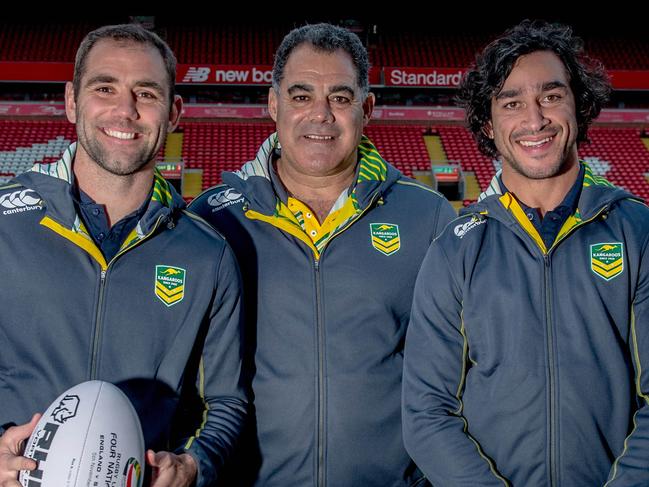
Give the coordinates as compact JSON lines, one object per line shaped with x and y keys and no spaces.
{"x":512,"y":105}
{"x":340,"y":99}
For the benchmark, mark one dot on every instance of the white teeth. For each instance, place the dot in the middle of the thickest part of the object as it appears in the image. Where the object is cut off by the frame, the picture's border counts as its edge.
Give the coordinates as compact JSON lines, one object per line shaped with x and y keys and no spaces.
{"x":120,"y":135}
{"x":529,"y":143}
{"x":319,"y":137}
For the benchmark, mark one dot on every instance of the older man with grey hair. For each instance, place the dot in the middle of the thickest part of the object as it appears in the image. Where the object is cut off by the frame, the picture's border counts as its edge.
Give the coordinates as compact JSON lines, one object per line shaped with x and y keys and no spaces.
{"x":329,"y":237}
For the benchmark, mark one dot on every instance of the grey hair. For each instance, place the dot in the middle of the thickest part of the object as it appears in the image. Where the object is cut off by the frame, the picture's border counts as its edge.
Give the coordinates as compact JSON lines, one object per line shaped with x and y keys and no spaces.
{"x":126,"y":33}
{"x":326,"y":38}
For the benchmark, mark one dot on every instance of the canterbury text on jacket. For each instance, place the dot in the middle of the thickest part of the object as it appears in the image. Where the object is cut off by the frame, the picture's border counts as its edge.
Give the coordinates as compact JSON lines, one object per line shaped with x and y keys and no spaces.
{"x":527,"y":366}
{"x":328,"y":326}
{"x":161,"y":320}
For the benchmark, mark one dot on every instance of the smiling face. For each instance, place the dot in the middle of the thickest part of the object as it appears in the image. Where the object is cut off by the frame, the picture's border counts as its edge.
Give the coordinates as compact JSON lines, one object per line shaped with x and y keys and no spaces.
{"x":319,"y":112}
{"x":533,"y":119}
{"x":122,"y":110}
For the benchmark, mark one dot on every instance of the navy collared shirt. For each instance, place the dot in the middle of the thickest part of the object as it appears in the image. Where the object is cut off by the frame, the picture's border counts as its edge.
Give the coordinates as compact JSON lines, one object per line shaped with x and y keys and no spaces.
{"x":108,"y":239}
{"x":550,"y":225}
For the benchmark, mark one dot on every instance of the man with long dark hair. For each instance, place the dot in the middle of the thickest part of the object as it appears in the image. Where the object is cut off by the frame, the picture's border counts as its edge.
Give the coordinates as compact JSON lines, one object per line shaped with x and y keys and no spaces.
{"x":526,"y":355}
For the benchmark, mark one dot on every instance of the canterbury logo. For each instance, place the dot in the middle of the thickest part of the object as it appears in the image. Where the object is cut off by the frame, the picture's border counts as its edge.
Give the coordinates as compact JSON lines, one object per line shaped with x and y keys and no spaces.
{"x":224,"y":198}
{"x":19,"y":199}
{"x":462,"y":229}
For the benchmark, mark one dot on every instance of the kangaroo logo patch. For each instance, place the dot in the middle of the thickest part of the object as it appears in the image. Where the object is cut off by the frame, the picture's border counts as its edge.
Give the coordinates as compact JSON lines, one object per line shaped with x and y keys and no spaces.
{"x":169,"y":284}
{"x":385,"y":237}
{"x":607,"y":259}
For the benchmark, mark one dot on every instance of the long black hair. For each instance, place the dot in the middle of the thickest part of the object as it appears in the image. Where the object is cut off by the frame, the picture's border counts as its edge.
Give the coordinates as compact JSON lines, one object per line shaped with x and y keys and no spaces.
{"x":588,"y":79}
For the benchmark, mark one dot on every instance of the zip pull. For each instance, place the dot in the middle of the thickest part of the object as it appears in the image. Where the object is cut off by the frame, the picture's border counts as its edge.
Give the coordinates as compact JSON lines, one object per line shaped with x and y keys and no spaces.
{"x":316,"y":264}
{"x":103,"y":276}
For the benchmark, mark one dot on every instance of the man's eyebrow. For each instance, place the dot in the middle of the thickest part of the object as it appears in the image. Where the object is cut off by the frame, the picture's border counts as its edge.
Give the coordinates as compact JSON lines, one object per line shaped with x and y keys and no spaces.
{"x":345,"y":88}
{"x":551,"y":85}
{"x":299,"y":87}
{"x":547,"y":86}
{"x":101,"y":78}
{"x":508,"y":94}
{"x":154,"y":85}
{"x":105,"y":78}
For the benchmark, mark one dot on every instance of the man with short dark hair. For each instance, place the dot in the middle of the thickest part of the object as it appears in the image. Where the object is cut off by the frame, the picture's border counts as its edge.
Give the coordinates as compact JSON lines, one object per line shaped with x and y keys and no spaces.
{"x":112,"y":279}
{"x":526,"y":356}
{"x":329,"y":237}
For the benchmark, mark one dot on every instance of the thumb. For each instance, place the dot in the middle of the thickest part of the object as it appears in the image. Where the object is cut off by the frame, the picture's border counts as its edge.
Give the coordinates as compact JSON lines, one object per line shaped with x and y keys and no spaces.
{"x":16,"y":435}
{"x":151,"y":458}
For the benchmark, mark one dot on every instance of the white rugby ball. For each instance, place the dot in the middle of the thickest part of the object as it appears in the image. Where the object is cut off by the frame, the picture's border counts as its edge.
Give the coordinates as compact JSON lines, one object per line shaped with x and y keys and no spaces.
{"x":91,"y":437}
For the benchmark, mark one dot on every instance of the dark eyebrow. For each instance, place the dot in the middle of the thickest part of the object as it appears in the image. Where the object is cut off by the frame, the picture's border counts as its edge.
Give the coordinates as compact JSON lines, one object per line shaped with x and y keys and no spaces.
{"x":508,"y":94}
{"x":345,"y":88}
{"x":299,"y":87}
{"x":101,"y":78}
{"x":151,"y":84}
{"x":104,"y":78}
{"x":551,"y":85}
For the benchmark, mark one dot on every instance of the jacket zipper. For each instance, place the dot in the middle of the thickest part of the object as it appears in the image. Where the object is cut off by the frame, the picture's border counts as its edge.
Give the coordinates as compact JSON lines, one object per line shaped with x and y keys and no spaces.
{"x":100,"y":302}
{"x":551,"y":371}
{"x":550,"y":346}
{"x":550,"y":349}
{"x":321,"y":474}
{"x":321,"y":379}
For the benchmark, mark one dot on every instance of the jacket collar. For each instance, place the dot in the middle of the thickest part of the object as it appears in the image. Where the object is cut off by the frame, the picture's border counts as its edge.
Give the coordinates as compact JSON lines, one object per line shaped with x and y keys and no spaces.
{"x":596,"y":193}
{"x":254,"y":179}
{"x":55,"y":182}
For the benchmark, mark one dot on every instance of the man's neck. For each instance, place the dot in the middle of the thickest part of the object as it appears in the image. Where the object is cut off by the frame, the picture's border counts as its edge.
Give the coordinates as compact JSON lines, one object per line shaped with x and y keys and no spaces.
{"x":544,"y":194}
{"x":121,"y":195}
{"x":318,"y":192}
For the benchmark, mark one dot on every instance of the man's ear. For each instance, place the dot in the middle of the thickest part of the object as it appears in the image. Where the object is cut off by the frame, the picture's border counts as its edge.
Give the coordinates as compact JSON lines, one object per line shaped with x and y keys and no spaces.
{"x":70,"y":103}
{"x":175,"y":112}
{"x":368,"y":108}
{"x":272,"y":103}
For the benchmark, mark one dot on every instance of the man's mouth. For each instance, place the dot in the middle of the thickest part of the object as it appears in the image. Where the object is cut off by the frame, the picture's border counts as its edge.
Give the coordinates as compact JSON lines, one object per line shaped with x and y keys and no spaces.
{"x":535,"y":143}
{"x":118,"y":134}
{"x":319,"y":137}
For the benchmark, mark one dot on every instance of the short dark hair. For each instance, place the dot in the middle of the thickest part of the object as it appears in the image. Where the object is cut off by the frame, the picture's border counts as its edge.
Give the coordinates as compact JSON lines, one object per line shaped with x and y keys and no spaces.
{"x":327,"y":38}
{"x":126,"y":33}
{"x":588,"y":79}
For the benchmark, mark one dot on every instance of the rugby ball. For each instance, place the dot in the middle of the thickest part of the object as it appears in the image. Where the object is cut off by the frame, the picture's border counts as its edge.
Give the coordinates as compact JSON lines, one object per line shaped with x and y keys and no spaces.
{"x":90,"y":436}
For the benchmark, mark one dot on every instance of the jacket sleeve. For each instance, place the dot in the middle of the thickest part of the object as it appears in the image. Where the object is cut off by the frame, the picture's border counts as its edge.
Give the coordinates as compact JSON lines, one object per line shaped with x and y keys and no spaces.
{"x":435,"y":365}
{"x":219,"y":378}
{"x":445,"y":214}
{"x":631,"y":467}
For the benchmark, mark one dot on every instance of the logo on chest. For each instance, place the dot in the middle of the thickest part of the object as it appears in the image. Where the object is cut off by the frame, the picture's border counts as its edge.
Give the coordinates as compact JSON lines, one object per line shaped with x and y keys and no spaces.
{"x":169,"y":284}
{"x":607,"y":259}
{"x":385,"y":237}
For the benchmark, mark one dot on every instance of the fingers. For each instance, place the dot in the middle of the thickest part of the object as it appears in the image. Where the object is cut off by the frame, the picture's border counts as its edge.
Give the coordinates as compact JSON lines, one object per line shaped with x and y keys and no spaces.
{"x":170,"y":470}
{"x":10,"y":483}
{"x":11,"y":448}
{"x":13,"y":438}
{"x":17,"y":463}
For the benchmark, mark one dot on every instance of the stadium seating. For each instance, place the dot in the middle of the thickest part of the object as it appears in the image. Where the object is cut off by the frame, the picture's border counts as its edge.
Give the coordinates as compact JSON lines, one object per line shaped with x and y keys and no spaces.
{"x":250,"y":43}
{"x":616,"y":153}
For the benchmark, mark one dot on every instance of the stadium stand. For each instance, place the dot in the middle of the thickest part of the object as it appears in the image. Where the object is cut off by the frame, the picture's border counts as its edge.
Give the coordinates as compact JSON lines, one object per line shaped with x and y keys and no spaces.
{"x":210,"y":146}
{"x":619,"y":154}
